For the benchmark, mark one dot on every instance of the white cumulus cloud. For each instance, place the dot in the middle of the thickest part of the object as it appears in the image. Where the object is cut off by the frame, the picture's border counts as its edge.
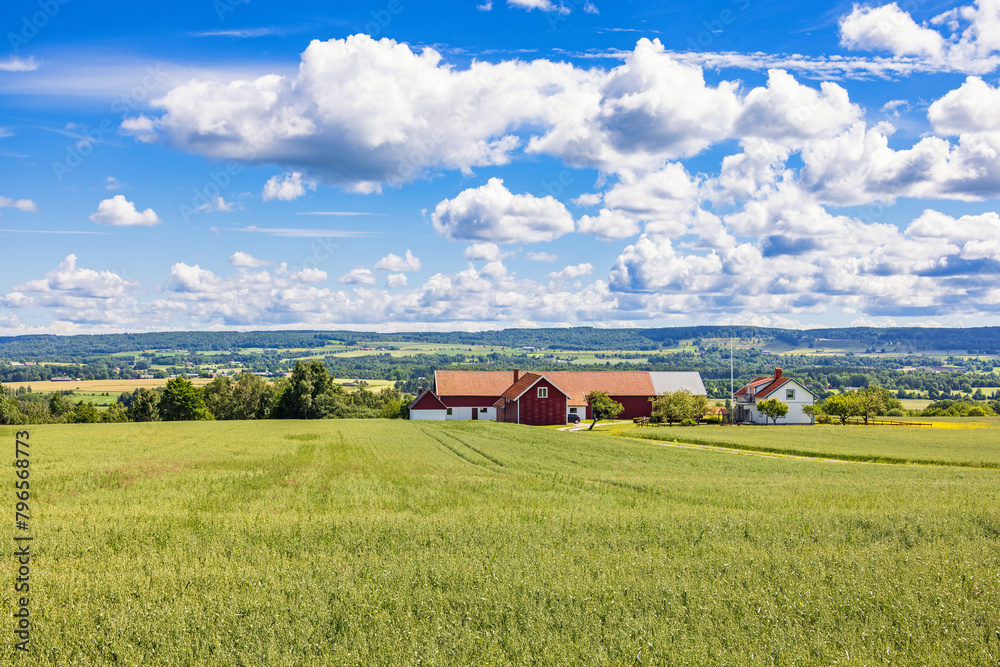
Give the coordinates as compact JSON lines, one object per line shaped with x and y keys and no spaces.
{"x":287,"y":186}
{"x":358,"y":276}
{"x":492,"y":213}
{"x":392,"y":262}
{"x":19,"y":204}
{"x":574,"y":271}
{"x":888,"y":28}
{"x":608,"y":225}
{"x":246,"y":260}
{"x":120,"y":212}
{"x":395,"y":280}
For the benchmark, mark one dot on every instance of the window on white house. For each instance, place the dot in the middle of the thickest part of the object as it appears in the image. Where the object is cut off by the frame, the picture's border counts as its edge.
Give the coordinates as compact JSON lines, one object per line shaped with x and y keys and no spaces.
{"x":543,"y":392}
{"x":790,"y":394}
{"x":449,"y":412}
{"x":482,"y":409}
{"x":572,"y":411}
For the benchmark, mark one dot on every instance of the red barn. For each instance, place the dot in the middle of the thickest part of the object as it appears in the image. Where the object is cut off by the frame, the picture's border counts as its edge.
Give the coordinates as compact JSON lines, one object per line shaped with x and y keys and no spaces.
{"x":533,"y":400}
{"x":464,"y":395}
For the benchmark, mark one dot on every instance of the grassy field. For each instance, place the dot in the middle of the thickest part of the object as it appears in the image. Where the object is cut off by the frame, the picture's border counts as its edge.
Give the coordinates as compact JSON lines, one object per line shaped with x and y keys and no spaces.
{"x":915,"y":403}
{"x":451,"y":543}
{"x":960,"y":441}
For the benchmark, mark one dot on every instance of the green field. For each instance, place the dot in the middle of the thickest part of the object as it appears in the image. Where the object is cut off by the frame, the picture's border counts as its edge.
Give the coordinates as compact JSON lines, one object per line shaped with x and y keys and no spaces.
{"x":959,"y":441}
{"x":406,"y":543}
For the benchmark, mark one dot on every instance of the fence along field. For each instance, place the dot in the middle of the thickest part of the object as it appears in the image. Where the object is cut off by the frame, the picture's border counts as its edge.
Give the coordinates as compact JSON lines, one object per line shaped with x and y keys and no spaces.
{"x":389,"y":543}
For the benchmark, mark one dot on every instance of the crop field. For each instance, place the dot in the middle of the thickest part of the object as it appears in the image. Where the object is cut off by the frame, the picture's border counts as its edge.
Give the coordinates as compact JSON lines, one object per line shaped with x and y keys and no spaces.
{"x":958,"y":441}
{"x":413,"y":543}
{"x":114,"y":387}
{"x":915,"y":403}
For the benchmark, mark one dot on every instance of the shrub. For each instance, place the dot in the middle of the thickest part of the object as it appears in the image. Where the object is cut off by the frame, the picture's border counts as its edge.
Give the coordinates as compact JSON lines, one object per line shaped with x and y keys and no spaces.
{"x":689,"y":422}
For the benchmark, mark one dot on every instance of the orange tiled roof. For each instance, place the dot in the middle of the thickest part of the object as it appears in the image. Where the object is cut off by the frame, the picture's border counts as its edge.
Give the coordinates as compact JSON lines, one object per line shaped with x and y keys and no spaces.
{"x":576,"y":384}
{"x":472,"y":383}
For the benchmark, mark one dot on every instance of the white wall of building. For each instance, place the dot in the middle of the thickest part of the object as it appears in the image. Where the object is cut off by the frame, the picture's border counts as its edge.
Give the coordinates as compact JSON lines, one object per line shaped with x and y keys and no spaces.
{"x":465,"y":414}
{"x":795,"y":415}
{"x":428,"y":415}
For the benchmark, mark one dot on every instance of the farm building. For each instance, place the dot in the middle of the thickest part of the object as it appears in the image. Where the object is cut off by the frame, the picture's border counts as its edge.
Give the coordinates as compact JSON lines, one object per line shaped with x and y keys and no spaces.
{"x":785,"y":389}
{"x":547,"y":397}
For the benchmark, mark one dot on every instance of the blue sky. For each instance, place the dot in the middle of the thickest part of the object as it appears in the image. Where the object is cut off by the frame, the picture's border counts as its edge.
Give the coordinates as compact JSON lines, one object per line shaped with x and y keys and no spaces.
{"x":469,"y":165}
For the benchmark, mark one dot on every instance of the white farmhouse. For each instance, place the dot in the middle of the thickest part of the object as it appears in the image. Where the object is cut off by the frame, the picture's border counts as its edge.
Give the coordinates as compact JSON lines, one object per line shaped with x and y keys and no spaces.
{"x":786,"y":390}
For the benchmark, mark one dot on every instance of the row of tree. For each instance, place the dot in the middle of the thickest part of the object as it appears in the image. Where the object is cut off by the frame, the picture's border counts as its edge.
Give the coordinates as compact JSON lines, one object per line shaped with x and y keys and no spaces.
{"x":309,"y":393}
{"x":874,"y":401}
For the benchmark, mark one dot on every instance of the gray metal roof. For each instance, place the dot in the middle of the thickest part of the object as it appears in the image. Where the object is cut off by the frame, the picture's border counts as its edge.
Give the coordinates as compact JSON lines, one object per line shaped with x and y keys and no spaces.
{"x":676,"y":381}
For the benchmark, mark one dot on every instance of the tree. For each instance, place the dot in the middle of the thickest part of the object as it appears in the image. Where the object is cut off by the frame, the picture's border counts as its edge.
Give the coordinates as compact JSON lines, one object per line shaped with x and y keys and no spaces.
{"x":115,"y":414}
{"x":58,"y":405}
{"x":602,"y":407}
{"x":182,"y":401}
{"x":679,"y":405}
{"x":813,"y":411}
{"x":309,"y":383}
{"x":842,"y":405}
{"x":219,"y":397}
{"x":9,"y":412}
{"x":252,"y":397}
{"x":83,"y":413}
{"x":773,"y":408}
{"x":144,"y":406}
{"x":872,"y":400}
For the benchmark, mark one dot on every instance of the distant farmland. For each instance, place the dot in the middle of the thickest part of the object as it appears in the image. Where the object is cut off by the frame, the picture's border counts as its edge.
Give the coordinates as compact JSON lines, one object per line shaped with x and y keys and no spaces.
{"x":458,"y":543}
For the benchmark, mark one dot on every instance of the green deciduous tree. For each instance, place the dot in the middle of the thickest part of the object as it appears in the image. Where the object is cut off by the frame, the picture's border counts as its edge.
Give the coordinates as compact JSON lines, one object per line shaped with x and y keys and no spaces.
{"x":252,"y":397}
{"x":83,"y":413}
{"x":679,"y":405}
{"x":813,"y":411}
{"x":182,"y":401}
{"x":304,"y":397}
{"x":602,"y":407}
{"x":219,"y":397}
{"x":115,"y":414}
{"x":874,"y":400}
{"x":248,"y":397}
{"x":772,"y":408}
{"x":58,"y":405}
{"x":144,"y":406}
{"x":842,"y":406}
{"x":9,"y":412}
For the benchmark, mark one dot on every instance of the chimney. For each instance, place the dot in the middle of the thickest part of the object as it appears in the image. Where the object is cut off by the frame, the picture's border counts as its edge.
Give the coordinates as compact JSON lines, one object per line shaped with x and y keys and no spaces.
{"x":517,"y":375}
{"x":777,"y":373}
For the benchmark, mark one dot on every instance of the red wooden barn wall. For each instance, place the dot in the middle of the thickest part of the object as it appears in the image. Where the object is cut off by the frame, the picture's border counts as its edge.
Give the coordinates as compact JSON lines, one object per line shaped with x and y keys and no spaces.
{"x":543,"y":411}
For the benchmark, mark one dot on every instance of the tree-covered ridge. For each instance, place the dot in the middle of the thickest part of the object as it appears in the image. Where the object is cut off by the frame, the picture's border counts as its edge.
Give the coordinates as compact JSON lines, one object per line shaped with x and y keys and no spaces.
{"x":977,"y":340}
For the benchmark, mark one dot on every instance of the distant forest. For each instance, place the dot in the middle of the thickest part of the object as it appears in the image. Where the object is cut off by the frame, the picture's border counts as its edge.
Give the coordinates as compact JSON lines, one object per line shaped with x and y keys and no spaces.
{"x":908,"y":372}
{"x":976,"y":340}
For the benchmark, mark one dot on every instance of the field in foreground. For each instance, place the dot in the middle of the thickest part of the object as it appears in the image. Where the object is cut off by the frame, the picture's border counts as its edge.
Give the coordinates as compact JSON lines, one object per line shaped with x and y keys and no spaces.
{"x":394,"y":543}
